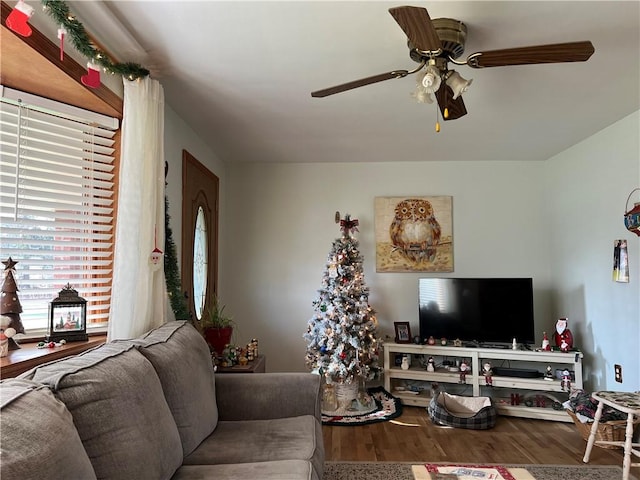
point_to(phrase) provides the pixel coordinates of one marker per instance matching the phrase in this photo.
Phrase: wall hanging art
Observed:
(620, 261)
(414, 234)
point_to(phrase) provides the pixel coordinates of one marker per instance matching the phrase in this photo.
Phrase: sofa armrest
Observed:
(263, 396)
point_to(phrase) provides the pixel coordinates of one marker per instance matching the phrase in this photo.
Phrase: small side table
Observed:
(628, 403)
(255, 366)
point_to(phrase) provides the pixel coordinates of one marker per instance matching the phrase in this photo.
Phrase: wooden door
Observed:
(200, 191)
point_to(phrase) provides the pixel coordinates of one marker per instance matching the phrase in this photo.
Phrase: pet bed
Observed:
(476, 413)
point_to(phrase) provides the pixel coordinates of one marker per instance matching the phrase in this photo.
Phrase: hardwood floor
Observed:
(413, 438)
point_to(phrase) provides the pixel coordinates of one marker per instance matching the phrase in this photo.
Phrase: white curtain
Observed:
(138, 298)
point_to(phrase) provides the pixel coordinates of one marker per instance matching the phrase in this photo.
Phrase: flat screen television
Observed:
(478, 311)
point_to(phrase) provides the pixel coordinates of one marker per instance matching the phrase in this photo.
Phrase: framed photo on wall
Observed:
(403, 332)
(414, 234)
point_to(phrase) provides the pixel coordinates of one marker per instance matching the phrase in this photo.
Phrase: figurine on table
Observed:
(405, 363)
(463, 371)
(546, 345)
(431, 367)
(488, 374)
(549, 373)
(565, 383)
(563, 336)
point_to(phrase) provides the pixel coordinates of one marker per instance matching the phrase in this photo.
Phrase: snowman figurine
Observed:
(549, 374)
(6, 333)
(431, 365)
(405, 363)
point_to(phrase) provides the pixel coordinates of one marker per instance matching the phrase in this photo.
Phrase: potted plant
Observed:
(216, 326)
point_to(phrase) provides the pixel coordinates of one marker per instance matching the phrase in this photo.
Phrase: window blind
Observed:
(56, 203)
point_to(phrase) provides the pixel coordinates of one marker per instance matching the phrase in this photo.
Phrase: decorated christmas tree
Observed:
(9, 301)
(341, 335)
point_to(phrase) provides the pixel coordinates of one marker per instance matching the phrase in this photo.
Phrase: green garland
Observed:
(59, 11)
(171, 270)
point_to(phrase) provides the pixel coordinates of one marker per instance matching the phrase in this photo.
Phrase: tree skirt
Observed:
(386, 408)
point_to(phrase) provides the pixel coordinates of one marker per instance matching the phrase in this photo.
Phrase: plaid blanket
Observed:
(582, 403)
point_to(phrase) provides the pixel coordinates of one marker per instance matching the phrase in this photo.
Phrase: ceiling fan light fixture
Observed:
(431, 79)
(421, 95)
(458, 84)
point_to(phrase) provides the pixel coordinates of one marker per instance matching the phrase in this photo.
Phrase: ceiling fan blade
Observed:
(416, 24)
(456, 107)
(359, 83)
(553, 53)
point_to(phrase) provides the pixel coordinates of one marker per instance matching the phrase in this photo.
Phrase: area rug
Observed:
(404, 471)
(387, 407)
(434, 471)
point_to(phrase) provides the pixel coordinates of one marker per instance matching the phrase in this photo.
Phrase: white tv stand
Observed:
(395, 376)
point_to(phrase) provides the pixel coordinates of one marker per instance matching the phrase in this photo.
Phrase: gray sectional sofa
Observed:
(152, 408)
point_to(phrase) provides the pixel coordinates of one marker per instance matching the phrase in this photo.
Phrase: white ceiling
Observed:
(240, 73)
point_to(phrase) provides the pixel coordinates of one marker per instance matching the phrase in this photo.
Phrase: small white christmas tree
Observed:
(341, 335)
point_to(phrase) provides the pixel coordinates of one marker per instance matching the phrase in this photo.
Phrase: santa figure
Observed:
(463, 372)
(563, 336)
(488, 374)
(546, 345)
(565, 383)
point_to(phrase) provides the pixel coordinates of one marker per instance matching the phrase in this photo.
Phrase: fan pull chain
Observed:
(437, 120)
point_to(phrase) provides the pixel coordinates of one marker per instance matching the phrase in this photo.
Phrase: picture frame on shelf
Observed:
(403, 332)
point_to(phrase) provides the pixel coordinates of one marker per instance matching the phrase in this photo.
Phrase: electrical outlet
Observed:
(618, 372)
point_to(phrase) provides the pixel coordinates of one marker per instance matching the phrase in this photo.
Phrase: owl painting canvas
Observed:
(414, 234)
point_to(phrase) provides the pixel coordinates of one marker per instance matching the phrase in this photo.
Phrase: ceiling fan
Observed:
(435, 43)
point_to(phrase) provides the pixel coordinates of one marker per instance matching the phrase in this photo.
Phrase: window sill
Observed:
(29, 355)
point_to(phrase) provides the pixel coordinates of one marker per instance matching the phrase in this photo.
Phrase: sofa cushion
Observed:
(182, 361)
(278, 470)
(294, 438)
(119, 409)
(39, 439)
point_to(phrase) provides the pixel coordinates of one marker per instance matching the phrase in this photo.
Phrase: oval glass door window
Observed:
(200, 263)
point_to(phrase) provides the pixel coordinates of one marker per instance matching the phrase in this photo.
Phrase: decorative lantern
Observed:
(67, 317)
(632, 217)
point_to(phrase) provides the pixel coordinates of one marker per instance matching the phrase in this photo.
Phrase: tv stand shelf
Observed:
(503, 386)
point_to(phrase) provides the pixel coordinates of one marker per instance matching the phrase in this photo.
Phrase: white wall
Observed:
(552, 220)
(178, 136)
(587, 187)
(282, 226)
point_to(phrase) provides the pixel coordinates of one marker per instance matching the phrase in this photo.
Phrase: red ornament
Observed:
(18, 18)
(61, 33)
(92, 78)
(343, 355)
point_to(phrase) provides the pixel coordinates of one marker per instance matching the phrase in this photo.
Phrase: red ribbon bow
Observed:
(347, 224)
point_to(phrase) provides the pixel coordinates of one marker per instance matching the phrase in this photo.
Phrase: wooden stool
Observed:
(628, 403)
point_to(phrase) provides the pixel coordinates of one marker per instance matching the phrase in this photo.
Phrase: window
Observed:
(200, 263)
(56, 203)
